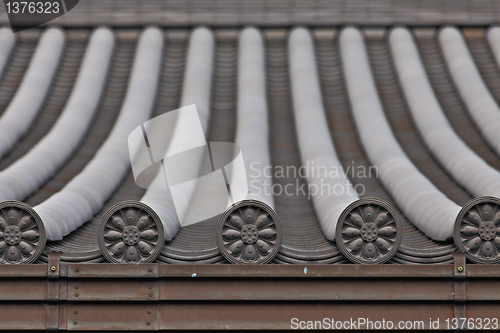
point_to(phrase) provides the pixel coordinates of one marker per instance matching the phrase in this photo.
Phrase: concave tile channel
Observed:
(303, 239)
(167, 99)
(197, 243)
(57, 96)
(16, 66)
(356, 164)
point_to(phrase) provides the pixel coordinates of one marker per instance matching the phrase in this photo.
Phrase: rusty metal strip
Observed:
(273, 315)
(113, 290)
(230, 296)
(63, 316)
(459, 288)
(112, 316)
(308, 271)
(23, 316)
(53, 290)
(483, 271)
(28, 271)
(20, 289)
(285, 289)
(52, 317)
(104, 271)
(53, 265)
(113, 271)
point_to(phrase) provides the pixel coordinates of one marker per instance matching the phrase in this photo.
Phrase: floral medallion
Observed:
(249, 232)
(369, 231)
(477, 230)
(22, 234)
(131, 232)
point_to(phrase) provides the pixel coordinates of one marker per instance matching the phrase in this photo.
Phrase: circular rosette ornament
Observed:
(477, 230)
(22, 235)
(369, 231)
(131, 232)
(249, 232)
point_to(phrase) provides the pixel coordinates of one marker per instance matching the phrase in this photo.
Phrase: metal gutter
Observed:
(159, 296)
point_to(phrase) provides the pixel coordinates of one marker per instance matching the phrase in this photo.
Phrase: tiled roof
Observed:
(275, 13)
(418, 104)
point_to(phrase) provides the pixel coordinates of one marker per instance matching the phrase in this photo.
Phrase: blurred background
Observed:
(269, 13)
